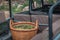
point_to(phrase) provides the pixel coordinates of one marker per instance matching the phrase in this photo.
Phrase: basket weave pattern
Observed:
(23, 34)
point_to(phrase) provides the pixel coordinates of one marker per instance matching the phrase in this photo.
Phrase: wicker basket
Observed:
(23, 34)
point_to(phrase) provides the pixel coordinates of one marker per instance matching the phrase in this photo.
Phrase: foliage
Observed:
(26, 4)
(15, 8)
(4, 7)
(50, 1)
(24, 26)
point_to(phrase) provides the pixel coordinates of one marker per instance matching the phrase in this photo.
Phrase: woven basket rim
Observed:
(17, 23)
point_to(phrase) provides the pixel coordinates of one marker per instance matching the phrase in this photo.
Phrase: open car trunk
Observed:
(43, 30)
(43, 19)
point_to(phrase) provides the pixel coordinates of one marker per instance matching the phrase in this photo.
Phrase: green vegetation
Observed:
(24, 26)
(15, 9)
(19, 7)
(50, 1)
(4, 7)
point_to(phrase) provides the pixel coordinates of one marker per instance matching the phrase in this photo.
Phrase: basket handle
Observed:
(36, 23)
(11, 22)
